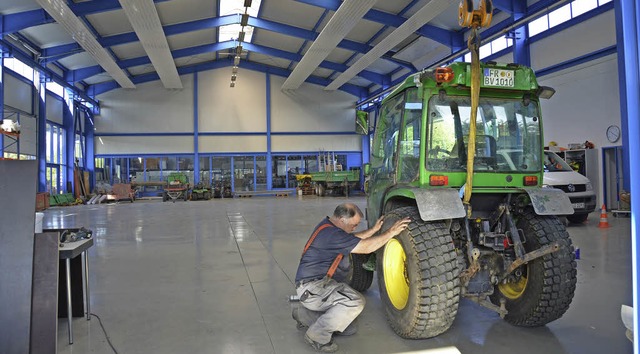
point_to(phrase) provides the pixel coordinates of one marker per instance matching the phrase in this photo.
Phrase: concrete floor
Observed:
(214, 277)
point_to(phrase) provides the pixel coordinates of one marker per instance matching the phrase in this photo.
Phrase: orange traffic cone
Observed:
(604, 222)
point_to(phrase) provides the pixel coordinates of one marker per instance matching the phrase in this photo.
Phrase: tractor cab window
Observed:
(409, 152)
(507, 135)
(386, 142)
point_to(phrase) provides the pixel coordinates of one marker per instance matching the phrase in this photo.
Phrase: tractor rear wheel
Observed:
(358, 277)
(540, 291)
(418, 275)
(207, 195)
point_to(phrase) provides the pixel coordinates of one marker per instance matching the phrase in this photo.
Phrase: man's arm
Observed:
(371, 244)
(368, 233)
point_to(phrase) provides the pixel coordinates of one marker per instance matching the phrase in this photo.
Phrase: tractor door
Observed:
(384, 155)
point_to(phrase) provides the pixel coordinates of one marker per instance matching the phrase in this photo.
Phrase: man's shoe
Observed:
(330, 347)
(299, 325)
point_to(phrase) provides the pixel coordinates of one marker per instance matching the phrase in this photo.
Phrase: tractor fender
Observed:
(438, 204)
(549, 201)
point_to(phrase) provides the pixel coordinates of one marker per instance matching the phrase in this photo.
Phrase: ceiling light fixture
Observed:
(244, 20)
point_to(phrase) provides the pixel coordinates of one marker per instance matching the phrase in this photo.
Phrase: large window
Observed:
(19, 67)
(563, 14)
(55, 158)
(243, 171)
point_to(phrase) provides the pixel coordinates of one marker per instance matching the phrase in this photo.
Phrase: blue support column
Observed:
(2, 54)
(42, 136)
(196, 148)
(521, 52)
(628, 29)
(70, 143)
(89, 130)
(269, 167)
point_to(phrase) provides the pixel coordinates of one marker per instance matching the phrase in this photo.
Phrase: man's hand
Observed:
(399, 226)
(378, 224)
(372, 243)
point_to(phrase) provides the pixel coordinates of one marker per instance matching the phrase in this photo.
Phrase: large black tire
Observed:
(421, 293)
(207, 195)
(577, 218)
(358, 277)
(544, 291)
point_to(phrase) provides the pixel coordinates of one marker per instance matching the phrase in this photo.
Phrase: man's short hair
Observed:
(347, 211)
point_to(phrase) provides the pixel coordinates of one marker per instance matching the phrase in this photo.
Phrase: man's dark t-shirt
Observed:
(329, 242)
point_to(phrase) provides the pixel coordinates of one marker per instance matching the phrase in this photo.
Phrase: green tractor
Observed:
(177, 187)
(481, 228)
(200, 191)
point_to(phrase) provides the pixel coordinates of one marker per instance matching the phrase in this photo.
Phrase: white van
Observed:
(558, 174)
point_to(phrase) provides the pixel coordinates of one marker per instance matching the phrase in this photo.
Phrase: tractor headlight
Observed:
(588, 186)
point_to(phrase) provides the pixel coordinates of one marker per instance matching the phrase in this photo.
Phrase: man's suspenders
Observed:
(336, 261)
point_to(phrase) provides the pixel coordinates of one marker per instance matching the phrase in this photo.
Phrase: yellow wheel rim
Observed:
(513, 290)
(394, 268)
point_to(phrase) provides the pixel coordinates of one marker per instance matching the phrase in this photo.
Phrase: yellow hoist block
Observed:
(468, 17)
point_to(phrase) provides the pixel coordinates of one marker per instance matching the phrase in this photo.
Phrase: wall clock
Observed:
(613, 133)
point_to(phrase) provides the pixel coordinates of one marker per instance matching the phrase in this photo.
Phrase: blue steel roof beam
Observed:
(311, 35)
(509, 6)
(369, 75)
(103, 87)
(442, 36)
(21, 20)
(93, 7)
(17, 53)
(18, 21)
(81, 74)
(61, 51)
(377, 34)
(314, 29)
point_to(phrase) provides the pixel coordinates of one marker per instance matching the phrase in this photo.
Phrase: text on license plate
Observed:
(577, 205)
(498, 77)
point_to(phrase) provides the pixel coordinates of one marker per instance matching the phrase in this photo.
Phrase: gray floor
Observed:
(214, 277)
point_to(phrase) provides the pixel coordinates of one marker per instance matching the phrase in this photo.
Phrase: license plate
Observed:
(498, 77)
(577, 205)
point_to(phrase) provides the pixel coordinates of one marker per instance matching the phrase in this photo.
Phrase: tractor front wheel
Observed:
(418, 275)
(540, 291)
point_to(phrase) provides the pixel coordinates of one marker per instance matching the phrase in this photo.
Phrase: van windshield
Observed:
(553, 163)
(507, 135)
